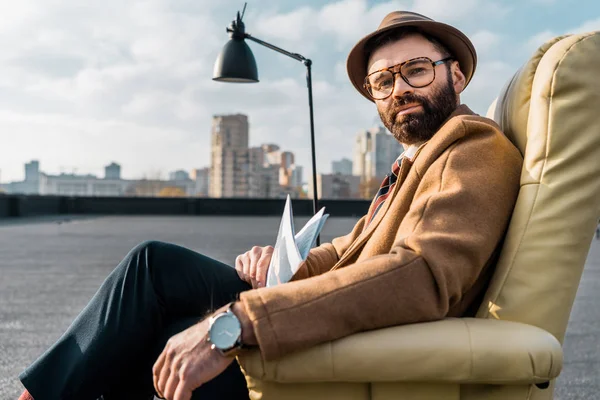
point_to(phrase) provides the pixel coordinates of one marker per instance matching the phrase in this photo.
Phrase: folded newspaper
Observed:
(291, 249)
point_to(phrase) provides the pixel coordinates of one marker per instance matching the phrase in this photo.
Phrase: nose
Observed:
(401, 87)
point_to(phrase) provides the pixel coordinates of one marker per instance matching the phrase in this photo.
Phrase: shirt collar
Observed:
(411, 151)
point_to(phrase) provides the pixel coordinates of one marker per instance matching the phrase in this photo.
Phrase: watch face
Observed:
(225, 331)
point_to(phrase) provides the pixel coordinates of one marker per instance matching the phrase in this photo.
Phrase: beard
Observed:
(420, 126)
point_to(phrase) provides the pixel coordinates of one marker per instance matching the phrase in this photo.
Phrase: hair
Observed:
(396, 34)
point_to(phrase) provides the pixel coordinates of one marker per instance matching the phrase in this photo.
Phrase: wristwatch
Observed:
(225, 332)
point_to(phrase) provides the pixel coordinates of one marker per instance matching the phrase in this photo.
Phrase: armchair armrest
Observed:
(457, 350)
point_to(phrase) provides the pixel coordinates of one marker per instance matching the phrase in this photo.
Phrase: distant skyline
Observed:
(86, 83)
(100, 174)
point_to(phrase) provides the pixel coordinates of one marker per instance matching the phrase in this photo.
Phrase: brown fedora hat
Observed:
(455, 41)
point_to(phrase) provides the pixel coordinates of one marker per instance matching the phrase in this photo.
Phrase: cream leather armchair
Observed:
(551, 111)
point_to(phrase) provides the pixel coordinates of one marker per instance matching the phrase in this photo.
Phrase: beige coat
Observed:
(427, 254)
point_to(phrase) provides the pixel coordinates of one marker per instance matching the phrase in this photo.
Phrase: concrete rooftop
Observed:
(50, 267)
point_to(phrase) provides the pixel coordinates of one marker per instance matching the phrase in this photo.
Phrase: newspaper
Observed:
(291, 249)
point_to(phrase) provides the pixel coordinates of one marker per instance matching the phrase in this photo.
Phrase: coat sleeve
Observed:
(456, 219)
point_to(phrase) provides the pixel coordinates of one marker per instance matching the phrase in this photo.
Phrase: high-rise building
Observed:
(32, 171)
(296, 180)
(263, 175)
(374, 152)
(32, 182)
(271, 153)
(342, 167)
(362, 150)
(286, 171)
(229, 156)
(112, 171)
(201, 176)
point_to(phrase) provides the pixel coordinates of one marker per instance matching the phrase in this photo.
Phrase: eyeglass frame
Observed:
(398, 67)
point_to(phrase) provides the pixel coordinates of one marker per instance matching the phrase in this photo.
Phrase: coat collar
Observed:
(450, 131)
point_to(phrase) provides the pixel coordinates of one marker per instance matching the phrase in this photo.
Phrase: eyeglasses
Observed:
(417, 72)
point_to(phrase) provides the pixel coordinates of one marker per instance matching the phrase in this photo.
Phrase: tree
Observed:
(171, 191)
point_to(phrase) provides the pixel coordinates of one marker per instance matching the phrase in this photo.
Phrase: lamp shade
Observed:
(235, 63)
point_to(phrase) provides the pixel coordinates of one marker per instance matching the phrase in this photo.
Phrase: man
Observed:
(424, 251)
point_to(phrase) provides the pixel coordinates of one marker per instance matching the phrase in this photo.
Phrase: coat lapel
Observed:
(364, 236)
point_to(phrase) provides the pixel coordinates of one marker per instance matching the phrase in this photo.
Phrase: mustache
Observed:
(409, 98)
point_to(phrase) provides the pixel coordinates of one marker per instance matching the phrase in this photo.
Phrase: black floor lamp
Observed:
(236, 63)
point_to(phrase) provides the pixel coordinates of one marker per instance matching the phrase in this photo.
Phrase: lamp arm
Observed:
(295, 56)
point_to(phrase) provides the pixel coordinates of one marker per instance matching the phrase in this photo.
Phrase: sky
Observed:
(86, 83)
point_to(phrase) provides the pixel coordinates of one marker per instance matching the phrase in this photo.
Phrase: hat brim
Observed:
(457, 43)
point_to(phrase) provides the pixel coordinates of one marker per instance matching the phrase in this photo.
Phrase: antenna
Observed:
(243, 11)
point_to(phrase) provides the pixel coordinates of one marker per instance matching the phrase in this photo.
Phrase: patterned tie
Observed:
(384, 191)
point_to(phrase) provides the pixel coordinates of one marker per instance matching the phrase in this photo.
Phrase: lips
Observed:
(406, 109)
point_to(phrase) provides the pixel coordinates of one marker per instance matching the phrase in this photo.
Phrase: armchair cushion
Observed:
(457, 350)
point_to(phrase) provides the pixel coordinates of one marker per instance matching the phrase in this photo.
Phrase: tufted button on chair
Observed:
(550, 110)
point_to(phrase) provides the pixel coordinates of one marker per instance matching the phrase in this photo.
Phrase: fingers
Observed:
(255, 254)
(185, 387)
(156, 371)
(252, 266)
(262, 266)
(182, 393)
(162, 377)
(241, 266)
(171, 386)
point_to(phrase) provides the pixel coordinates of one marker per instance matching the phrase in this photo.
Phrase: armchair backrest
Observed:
(550, 110)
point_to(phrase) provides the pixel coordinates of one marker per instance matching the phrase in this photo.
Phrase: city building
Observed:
(296, 176)
(40, 183)
(229, 156)
(342, 167)
(31, 184)
(81, 185)
(235, 171)
(336, 186)
(179, 175)
(375, 150)
(201, 176)
(112, 171)
(263, 177)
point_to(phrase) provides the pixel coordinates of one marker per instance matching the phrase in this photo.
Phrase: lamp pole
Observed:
(235, 73)
(308, 63)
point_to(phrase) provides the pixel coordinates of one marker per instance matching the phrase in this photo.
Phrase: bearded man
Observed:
(424, 251)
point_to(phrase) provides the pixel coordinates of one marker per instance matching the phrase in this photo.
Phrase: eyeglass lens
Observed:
(418, 73)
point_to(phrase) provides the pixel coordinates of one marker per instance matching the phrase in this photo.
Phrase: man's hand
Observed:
(252, 266)
(186, 363)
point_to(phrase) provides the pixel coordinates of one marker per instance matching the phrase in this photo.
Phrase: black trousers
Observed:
(158, 290)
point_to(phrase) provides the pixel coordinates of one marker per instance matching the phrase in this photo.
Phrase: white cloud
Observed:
(444, 10)
(463, 12)
(540, 38)
(485, 41)
(291, 26)
(588, 26)
(537, 40)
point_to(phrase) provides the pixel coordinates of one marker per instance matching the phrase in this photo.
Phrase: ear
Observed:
(458, 78)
